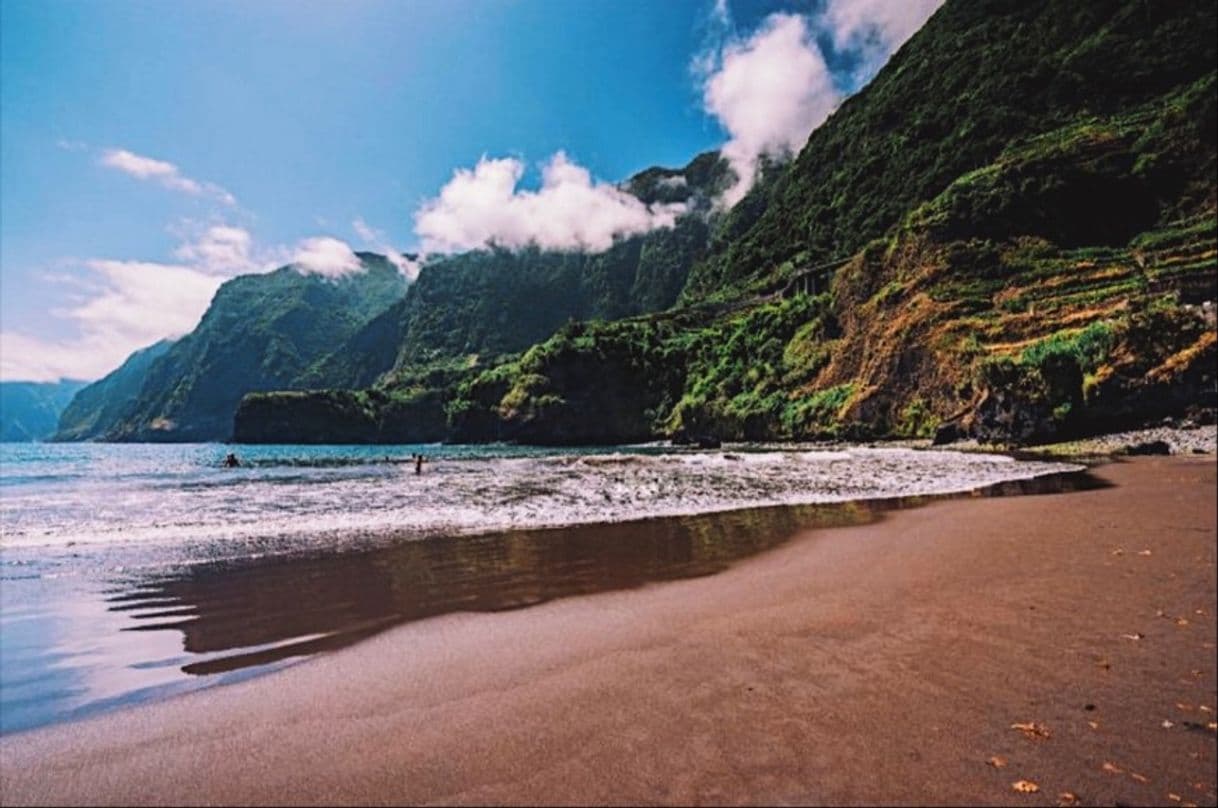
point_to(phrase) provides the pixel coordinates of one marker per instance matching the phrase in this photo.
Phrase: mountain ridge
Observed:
(1014, 237)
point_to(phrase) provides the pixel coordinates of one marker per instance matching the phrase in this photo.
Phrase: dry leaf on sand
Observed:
(1111, 768)
(1025, 787)
(1032, 729)
(997, 761)
(1067, 798)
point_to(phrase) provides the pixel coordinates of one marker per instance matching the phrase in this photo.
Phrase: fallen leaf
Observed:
(1141, 778)
(1144, 552)
(1185, 707)
(1111, 768)
(1067, 798)
(1025, 786)
(1118, 551)
(1031, 729)
(1212, 725)
(1135, 636)
(1174, 797)
(1167, 724)
(997, 761)
(1181, 621)
(1205, 708)
(1093, 724)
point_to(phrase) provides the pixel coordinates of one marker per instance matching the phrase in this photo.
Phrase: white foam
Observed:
(323, 501)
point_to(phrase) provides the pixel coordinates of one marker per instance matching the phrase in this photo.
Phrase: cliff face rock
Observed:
(339, 416)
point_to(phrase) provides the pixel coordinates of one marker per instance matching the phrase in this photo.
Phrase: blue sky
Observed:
(148, 150)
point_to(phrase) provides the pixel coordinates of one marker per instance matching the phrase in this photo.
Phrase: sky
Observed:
(151, 150)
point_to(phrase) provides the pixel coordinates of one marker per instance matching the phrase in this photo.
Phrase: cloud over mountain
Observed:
(875, 28)
(484, 206)
(323, 255)
(769, 91)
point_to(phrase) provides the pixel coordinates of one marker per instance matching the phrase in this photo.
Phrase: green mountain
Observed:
(978, 78)
(30, 410)
(488, 303)
(97, 407)
(260, 332)
(477, 309)
(1008, 234)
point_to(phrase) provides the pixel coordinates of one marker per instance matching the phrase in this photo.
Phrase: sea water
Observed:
(58, 495)
(136, 571)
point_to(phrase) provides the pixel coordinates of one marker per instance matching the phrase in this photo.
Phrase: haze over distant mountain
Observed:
(98, 406)
(29, 411)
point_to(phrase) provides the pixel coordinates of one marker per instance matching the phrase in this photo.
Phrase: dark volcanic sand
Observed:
(883, 662)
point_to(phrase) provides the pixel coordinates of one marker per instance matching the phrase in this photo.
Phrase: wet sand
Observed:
(882, 662)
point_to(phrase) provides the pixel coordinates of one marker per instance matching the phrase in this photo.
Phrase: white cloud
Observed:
(875, 28)
(135, 304)
(223, 250)
(326, 256)
(482, 207)
(769, 91)
(376, 240)
(167, 174)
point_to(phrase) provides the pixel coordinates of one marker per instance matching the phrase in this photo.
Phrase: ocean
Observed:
(138, 571)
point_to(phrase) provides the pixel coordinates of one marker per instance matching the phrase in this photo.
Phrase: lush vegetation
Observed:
(1026, 200)
(978, 78)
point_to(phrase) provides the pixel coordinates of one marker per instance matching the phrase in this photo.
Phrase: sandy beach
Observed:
(884, 662)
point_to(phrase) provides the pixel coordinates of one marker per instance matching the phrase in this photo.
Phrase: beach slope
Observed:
(881, 663)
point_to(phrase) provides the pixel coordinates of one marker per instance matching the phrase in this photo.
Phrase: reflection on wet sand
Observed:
(254, 612)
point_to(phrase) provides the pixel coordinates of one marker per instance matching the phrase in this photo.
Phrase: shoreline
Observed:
(881, 662)
(163, 632)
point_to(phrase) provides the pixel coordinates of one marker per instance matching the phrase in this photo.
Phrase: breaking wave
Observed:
(89, 493)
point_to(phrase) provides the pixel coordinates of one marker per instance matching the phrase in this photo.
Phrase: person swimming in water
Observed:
(231, 461)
